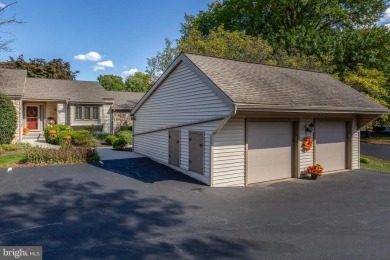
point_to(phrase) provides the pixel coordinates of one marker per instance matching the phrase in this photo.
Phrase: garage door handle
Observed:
(201, 145)
(177, 141)
(190, 161)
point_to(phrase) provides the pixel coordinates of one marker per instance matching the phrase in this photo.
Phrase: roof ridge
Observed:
(70, 80)
(255, 63)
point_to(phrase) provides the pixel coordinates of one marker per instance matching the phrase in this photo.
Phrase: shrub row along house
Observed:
(80, 104)
(231, 123)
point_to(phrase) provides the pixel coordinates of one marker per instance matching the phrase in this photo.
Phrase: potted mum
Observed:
(315, 171)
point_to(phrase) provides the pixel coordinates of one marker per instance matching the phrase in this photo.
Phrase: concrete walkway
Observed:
(107, 153)
(41, 143)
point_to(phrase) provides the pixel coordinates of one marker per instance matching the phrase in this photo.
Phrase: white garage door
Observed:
(330, 150)
(269, 151)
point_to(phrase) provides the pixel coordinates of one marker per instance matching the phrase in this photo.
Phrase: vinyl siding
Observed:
(183, 98)
(61, 113)
(355, 146)
(153, 145)
(306, 158)
(229, 154)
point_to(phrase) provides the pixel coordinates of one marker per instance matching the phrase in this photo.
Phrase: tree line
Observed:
(342, 38)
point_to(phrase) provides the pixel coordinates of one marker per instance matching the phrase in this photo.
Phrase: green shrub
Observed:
(8, 121)
(110, 139)
(101, 136)
(11, 147)
(82, 138)
(124, 138)
(119, 144)
(61, 131)
(25, 145)
(364, 160)
(40, 155)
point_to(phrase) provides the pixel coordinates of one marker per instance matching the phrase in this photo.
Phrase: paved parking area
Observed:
(138, 209)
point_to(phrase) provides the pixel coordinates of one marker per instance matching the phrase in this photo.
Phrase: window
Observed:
(79, 113)
(95, 113)
(87, 113)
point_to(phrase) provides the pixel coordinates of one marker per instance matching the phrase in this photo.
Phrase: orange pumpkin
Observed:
(67, 138)
(26, 130)
(52, 132)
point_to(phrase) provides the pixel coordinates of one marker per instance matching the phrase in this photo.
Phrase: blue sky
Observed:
(122, 33)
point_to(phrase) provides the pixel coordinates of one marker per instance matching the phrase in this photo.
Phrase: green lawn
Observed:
(374, 164)
(8, 160)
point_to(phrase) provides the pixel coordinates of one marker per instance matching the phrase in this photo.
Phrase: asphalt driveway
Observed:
(138, 209)
(381, 151)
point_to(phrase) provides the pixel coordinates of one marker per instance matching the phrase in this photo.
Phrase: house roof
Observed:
(71, 90)
(271, 86)
(12, 81)
(125, 100)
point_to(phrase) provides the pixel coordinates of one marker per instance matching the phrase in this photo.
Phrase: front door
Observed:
(32, 117)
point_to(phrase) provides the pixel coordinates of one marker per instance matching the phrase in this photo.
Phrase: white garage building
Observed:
(230, 123)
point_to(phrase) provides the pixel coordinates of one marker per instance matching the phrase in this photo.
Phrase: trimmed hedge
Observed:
(8, 121)
(40, 155)
(80, 137)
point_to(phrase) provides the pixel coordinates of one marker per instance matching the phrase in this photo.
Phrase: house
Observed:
(80, 104)
(124, 103)
(232, 123)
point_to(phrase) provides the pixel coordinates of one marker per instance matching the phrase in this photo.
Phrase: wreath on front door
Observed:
(307, 144)
(31, 112)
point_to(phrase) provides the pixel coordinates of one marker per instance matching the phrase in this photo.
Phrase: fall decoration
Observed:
(26, 130)
(52, 132)
(307, 144)
(67, 138)
(315, 169)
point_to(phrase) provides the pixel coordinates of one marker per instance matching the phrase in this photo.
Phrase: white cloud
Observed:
(129, 72)
(103, 65)
(386, 19)
(90, 56)
(2, 5)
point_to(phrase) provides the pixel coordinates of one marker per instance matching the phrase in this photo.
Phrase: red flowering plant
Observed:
(315, 169)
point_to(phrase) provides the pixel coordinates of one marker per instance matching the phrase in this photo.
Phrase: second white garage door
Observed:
(269, 151)
(330, 149)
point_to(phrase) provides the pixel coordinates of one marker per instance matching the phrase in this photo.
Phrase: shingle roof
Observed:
(125, 100)
(250, 83)
(12, 81)
(72, 90)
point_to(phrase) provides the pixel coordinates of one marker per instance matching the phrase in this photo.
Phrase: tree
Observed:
(40, 68)
(4, 42)
(311, 27)
(373, 84)
(159, 63)
(112, 82)
(139, 82)
(238, 46)
(231, 45)
(7, 119)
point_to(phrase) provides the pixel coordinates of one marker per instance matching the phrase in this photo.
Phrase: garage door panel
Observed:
(269, 151)
(331, 145)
